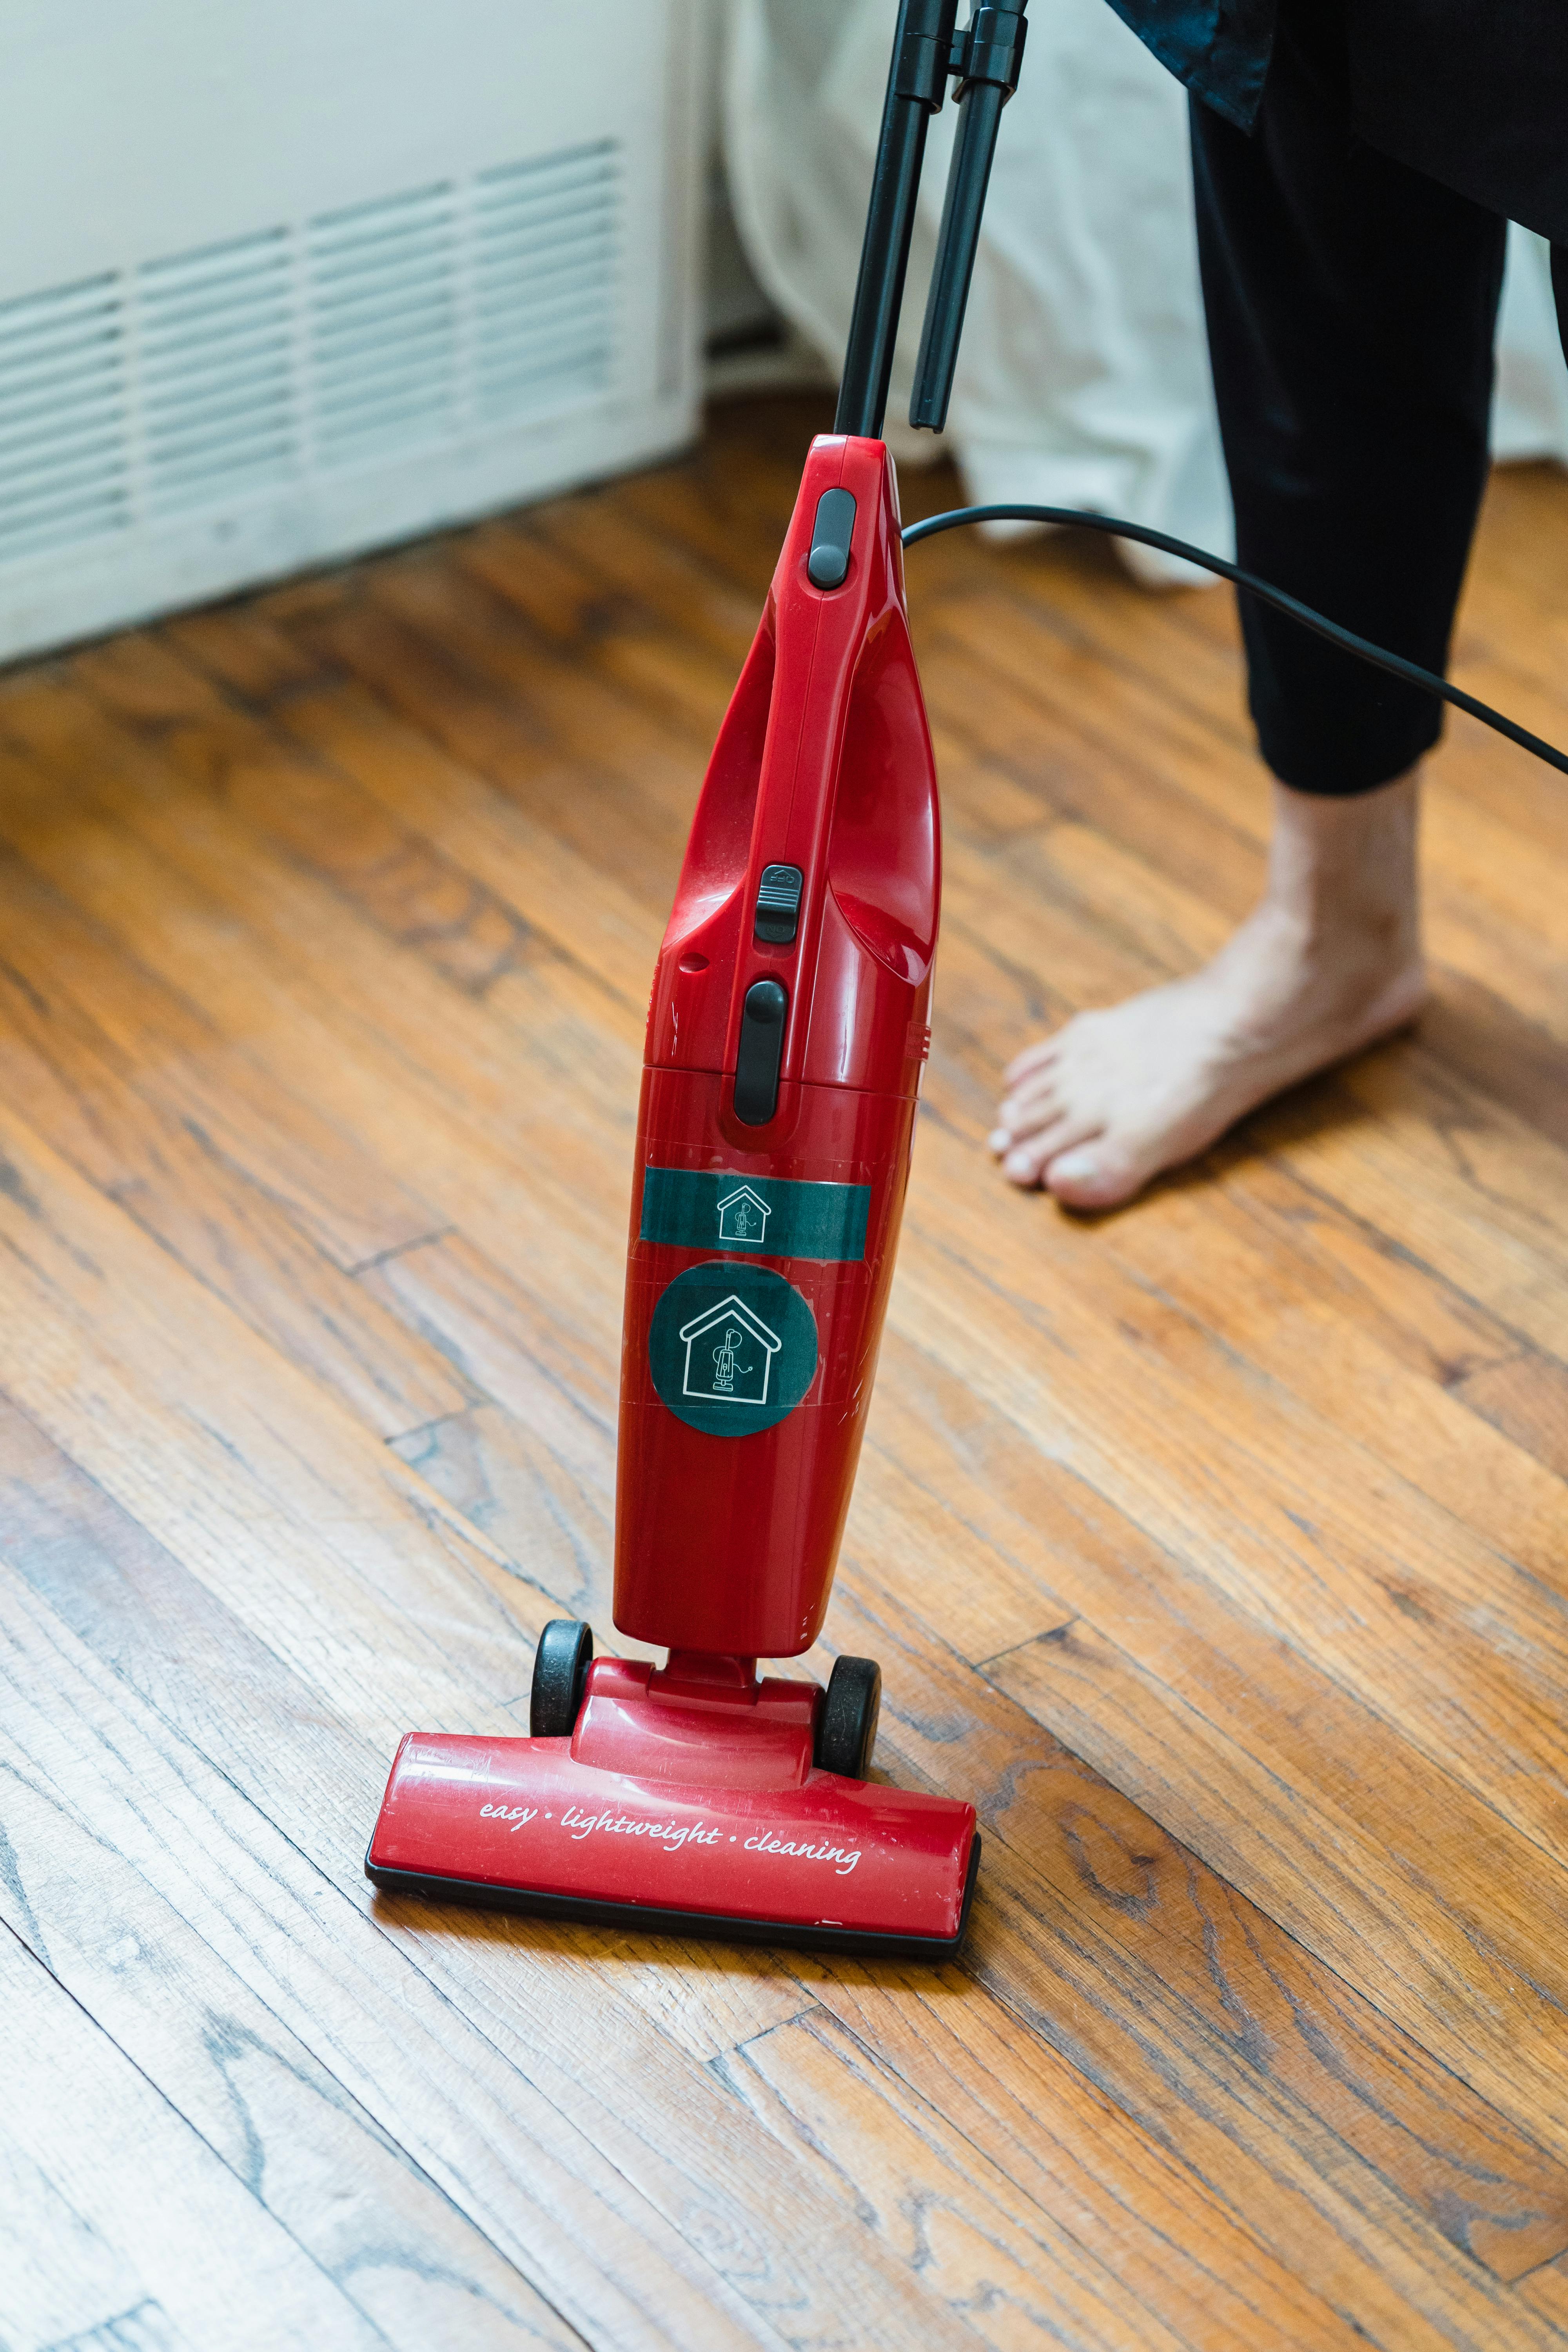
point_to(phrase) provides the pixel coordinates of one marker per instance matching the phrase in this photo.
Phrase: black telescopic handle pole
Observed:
(917, 83)
(993, 51)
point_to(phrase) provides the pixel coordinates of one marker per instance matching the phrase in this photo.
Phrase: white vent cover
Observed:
(218, 410)
(64, 472)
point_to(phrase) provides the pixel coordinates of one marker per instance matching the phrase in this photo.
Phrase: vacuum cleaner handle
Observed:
(917, 85)
(993, 55)
(799, 946)
(927, 51)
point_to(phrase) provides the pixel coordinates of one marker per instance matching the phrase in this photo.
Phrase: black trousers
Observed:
(1352, 304)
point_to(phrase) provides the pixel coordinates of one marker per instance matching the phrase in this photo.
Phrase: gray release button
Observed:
(778, 904)
(830, 536)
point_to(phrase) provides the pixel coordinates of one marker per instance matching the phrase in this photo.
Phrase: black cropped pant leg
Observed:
(1352, 304)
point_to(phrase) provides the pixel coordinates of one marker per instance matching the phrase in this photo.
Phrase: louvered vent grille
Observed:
(216, 371)
(546, 249)
(384, 305)
(64, 468)
(218, 375)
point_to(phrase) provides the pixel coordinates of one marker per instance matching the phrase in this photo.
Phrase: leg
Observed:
(1351, 304)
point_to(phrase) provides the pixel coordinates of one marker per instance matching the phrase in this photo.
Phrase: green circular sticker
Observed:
(732, 1347)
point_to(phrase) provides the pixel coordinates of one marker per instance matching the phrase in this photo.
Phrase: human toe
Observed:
(1093, 1173)
(1030, 1105)
(1038, 1056)
(1025, 1162)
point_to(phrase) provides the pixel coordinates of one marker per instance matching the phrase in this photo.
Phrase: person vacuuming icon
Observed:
(725, 1355)
(1355, 165)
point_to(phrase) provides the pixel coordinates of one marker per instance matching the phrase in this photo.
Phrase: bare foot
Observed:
(1329, 962)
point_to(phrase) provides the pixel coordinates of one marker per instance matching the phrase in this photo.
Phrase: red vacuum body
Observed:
(788, 1025)
(779, 1098)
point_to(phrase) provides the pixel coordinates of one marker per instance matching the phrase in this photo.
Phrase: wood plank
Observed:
(1213, 1459)
(1374, 1151)
(1081, 1682)
(590, 918)
(988, 2114)
(585, 712)
(420, 1075)
(249, 652)
(1195, 1259)
(1373, 1278)
(1095, 1876)
(1526, 1396)
(279, 1491)
(1255, 2092)
(534, 1467)
(1495, 865)
(297, 1157)
(555, 1528)
(288, 797)
(1415, 1892)
(496, 2139)
(85, 1096)
(135, 1960)
(506, 1343)
(998, 2259)
(117, 2216)
(1473, 1031)
(402, 882)
(492, 726)
(1546, 2294)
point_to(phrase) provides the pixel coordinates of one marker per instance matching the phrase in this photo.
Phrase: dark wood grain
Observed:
(119, 2221)
(1295, 2027)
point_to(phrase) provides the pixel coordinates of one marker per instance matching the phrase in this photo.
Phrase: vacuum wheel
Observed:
(561, 1666)
(847, 1719)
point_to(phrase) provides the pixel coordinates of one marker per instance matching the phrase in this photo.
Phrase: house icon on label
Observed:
(743, 1217)
(729, 1354)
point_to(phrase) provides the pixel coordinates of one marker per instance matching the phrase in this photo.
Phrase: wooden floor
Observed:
(1218, 1549)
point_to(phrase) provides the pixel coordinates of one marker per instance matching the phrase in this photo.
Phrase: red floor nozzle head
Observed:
(684, 1802)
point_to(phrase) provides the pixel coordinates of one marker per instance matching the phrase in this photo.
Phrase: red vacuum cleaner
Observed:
(785, 1037)
(787, 1033)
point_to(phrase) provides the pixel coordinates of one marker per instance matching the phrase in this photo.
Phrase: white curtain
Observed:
(1083, 379)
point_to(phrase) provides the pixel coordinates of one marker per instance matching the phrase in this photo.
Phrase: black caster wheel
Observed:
(847, 1719)
(561, 1666)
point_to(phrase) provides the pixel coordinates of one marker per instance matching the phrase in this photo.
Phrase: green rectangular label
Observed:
(694, 1208)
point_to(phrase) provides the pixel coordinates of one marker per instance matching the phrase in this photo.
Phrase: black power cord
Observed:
(1076, 517)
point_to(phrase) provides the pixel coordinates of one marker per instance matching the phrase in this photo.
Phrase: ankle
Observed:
(1342, 875)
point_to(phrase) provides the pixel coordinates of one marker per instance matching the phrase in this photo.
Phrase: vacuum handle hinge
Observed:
(989, 49)
(924, 61)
